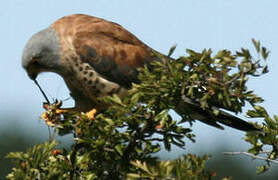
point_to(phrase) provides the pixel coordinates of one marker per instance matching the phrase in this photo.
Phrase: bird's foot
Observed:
(91, 114)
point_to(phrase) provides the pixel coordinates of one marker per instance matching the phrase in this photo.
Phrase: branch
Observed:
(154, 139)
(251, 155)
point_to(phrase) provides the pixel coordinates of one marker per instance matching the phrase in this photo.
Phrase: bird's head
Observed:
(42, 53)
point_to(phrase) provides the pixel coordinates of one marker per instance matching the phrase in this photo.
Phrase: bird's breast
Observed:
(83, 81)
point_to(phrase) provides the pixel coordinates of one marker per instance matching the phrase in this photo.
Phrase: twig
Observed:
(233, 79)
(154, 139)
(265, 152)
(44, 95)
(251, 155)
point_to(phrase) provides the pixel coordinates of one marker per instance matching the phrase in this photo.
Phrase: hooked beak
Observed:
(32, 75)
(32, 72)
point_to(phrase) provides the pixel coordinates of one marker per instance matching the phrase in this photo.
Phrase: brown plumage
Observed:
(103, 51)
(106, 46)
(97, 58)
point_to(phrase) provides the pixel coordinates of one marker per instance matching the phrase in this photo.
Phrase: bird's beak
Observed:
(32, 72)
(32, 76)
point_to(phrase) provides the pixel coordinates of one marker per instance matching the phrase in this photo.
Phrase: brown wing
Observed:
(111, 50)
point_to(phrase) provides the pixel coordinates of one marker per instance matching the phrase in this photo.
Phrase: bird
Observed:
(98, 58)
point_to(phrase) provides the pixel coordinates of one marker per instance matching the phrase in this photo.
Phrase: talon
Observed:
(91, 114)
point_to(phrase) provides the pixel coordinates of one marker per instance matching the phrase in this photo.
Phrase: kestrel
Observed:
(98, 58)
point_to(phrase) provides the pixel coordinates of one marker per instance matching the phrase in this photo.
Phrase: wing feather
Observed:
(111, 50)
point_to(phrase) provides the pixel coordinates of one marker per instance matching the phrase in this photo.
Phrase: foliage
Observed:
(122, 141)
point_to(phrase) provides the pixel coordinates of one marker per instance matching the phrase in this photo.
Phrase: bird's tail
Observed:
(234, 122)
(195, 112)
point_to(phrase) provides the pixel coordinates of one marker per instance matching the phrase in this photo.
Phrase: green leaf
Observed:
(257, 45)
(134, 99)
(216, 112)
(119, 149)
(265, 53)
(133, 175)
(171, 51)
(262, 169)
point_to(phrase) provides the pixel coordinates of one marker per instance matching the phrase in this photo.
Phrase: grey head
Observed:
(42, 53)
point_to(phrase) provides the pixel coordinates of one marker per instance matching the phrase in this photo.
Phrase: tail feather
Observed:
(207, 116)
(235, 122)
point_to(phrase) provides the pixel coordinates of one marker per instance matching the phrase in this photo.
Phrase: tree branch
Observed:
(251, 155)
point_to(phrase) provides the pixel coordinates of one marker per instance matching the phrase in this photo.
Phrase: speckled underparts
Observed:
(91, 82)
